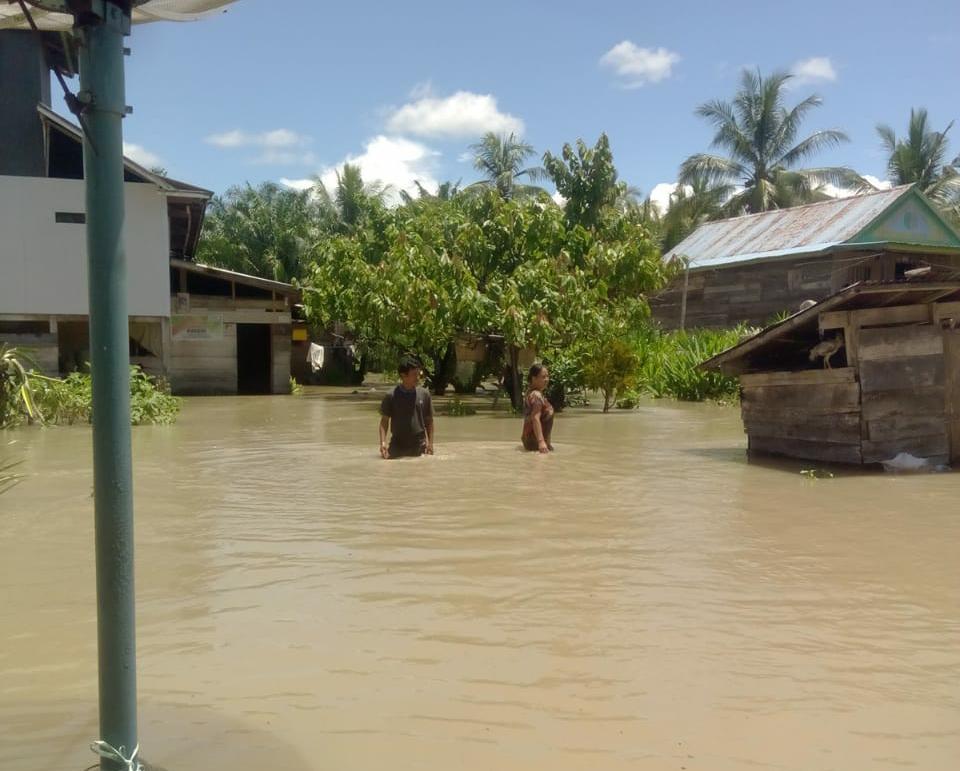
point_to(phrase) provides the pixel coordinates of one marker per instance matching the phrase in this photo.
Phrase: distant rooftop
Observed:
(818, 227)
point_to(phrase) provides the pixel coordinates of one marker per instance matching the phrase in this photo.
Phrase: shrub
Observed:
(457, 409)
(670, 364)
(70, 400)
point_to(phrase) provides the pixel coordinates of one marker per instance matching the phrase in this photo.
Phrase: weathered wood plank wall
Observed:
(205, 366)
(902, 380)
(752, 293)
(813, 414)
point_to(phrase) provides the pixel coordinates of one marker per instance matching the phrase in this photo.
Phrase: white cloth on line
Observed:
(315, 357)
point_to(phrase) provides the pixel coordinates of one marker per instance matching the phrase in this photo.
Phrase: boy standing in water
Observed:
(407, 411)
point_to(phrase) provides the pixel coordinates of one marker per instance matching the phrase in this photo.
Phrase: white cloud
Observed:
(639, 66)
(392, 161)
(276, 138)
(558, 199)
(818, 69)
(661, 193)
(880, 184)
(297, 184)
(280, 147)
(462, 115)
(139, 154)
(842, 192)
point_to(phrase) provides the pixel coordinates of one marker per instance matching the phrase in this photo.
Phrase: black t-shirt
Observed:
(409, 413)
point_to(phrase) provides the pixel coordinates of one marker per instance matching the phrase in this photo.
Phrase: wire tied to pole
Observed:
(74, 103)
(107, 750)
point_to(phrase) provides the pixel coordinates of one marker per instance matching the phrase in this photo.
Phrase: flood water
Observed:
(644, 598)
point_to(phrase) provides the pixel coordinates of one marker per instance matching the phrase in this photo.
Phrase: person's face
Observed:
(540, 381)
(410, 378)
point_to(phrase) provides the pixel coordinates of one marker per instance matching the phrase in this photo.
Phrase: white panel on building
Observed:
(43, 261)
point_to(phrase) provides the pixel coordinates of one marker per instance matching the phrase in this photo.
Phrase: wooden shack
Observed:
(752, 268)
(892, 384)
(228, 332)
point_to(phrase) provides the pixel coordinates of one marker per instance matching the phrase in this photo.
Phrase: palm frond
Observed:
(812, 145)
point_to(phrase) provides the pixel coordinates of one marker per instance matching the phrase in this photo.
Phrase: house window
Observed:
(71, 217)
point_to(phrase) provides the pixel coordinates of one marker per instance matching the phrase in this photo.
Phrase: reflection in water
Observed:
(644, 598)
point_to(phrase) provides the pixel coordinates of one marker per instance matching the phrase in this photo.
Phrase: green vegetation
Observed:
(760, 135)
(921, 158)
(264, 231)
(483, 264)
(16, 398)
(457, 409)
(27, 396)
(670, 363)
(501, 260)
(501, 160)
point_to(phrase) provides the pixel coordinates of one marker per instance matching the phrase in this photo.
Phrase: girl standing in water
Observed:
(537, 412)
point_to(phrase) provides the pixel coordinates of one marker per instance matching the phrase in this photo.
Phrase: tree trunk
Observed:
(516, 392)
(446, 364)
(606, 400)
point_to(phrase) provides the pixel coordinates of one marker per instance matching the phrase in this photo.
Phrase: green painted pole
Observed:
(102, 93)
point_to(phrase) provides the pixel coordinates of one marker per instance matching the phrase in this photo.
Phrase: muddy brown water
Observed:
(644, 598)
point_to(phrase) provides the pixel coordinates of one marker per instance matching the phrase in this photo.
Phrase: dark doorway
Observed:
(253, 358)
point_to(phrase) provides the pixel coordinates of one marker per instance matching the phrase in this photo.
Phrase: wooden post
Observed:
(683, 299)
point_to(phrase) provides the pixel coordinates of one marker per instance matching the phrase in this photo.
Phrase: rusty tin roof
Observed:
(816, 227)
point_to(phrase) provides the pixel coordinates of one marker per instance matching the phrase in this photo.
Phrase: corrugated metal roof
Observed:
(806, 229)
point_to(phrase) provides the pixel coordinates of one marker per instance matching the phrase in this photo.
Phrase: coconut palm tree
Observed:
(692, 204)
(446, 191)
(760, 133)
(501, 159)
(919, 159)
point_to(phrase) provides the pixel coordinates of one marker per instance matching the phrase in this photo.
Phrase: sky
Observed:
(285, 90)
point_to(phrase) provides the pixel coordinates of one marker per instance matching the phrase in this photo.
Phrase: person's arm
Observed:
(384, 426)
(428, 420)
(538, 427)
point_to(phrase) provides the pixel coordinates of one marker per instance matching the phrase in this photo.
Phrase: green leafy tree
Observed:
(760, 134)
(920, 158)
(501, 159)
(587, 179)
(266, 231)
(482, 264)
(408, 288)
(611, 365)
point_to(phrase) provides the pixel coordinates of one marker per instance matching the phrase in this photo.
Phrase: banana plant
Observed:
(15, 392)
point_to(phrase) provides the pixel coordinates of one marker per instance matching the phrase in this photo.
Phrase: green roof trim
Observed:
(912, 219)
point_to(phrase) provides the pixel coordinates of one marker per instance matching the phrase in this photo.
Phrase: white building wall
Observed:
(43, 263)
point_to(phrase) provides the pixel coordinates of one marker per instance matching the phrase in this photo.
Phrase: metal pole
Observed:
(102, 92)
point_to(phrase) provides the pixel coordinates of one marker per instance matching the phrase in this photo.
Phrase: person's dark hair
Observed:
(535, 370)
(408, 363)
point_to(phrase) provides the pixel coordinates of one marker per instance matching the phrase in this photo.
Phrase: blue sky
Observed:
(285, 89)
